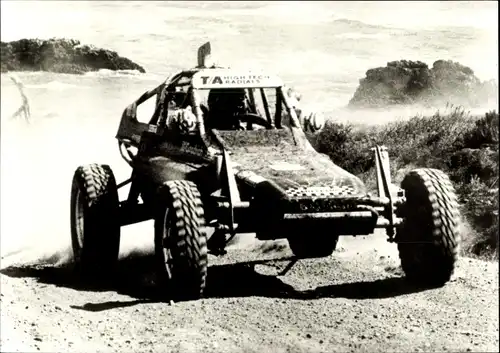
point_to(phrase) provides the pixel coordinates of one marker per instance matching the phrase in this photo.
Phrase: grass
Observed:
(464, 146)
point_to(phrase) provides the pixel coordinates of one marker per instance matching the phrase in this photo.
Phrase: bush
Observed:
(463, 146)
(347, 146)
(485, 132)
(480, 208)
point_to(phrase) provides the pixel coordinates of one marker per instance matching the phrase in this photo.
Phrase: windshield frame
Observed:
(281, 96)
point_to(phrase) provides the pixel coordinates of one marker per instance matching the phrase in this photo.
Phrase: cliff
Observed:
(60, 55)
(408, 82)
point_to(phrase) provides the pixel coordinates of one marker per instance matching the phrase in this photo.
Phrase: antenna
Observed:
(203, 53)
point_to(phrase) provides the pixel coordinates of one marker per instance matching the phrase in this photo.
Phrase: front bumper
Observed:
(274, 213)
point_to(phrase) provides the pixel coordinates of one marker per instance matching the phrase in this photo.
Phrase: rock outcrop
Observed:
(408, 82)
(60, 55)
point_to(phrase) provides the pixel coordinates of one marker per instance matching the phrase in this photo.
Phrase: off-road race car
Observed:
(192, 176)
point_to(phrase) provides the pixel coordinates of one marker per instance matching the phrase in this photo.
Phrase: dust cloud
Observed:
(384, 115)
(38, 159)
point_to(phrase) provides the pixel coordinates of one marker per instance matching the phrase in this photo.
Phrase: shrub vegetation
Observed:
(464, 146)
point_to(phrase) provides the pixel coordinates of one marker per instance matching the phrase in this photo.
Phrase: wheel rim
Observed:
(166, 237)
(79, 220)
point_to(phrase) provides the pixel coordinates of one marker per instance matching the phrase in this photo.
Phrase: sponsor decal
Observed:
(212, 78)
(183, 148)
(234, 79)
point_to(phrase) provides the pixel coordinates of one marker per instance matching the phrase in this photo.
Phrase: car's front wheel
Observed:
(181, 240)
(429, 239)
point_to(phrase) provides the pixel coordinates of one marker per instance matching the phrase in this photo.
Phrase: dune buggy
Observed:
(266, 179)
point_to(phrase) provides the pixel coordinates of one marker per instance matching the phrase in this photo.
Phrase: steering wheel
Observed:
(255, 119)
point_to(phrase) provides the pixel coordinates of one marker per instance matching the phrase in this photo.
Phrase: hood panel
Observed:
(274, 155)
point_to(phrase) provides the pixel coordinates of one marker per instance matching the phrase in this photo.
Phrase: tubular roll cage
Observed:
(174, 81)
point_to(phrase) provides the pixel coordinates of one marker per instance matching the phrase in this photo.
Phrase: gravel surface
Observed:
(355, 300)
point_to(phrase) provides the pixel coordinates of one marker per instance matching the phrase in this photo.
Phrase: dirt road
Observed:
(355, 300)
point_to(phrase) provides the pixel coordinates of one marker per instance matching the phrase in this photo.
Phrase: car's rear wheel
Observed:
(181, 240)
(429, 238)
(95, 227)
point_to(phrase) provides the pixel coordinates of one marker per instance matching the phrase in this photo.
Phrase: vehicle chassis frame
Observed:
(230, 207)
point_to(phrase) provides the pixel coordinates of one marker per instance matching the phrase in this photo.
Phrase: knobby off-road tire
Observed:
(429, 239)
(181, 240)
(304, 245)
(95, 227)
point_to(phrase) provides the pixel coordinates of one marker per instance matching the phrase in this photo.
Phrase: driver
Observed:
(224, 107)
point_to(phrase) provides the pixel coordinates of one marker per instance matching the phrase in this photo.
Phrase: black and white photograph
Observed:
(249, 176)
